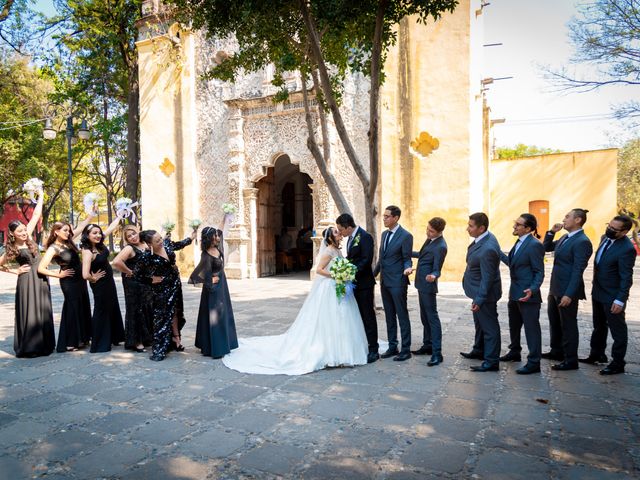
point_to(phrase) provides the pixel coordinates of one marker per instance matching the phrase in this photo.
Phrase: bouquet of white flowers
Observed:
(229, 208)
(124, 208)
(32, 186)
(343, 273)
(90, 202)
(195, 223)
(168, 226)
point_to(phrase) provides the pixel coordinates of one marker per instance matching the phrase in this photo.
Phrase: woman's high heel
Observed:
(178, 345)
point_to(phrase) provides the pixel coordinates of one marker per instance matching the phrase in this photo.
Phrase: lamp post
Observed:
(83, 133)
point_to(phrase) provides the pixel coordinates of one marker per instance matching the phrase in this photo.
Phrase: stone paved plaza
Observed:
(119, 415)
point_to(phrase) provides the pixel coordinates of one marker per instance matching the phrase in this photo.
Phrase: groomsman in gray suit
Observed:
(571, 256)
(430, 260)
(612, 279)
(526, 268)
(481, 283)
(394, 267)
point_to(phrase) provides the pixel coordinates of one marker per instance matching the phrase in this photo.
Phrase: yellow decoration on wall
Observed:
(424, 144)
(167, 167)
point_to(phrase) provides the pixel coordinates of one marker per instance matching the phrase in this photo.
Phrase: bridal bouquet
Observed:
(343, 273)
(168, 226)
(229, 208)
(90, 202)
(31, 186)
(124, 208)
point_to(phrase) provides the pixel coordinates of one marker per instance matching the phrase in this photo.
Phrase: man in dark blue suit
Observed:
(572, 252)
(360, 253)
(430, 260)
(482, 284)
(612, 279)
(526, 268)
(394, 267)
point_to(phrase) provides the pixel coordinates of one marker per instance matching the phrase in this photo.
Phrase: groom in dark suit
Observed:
(430, 260)
(360, 253)
(394, 267)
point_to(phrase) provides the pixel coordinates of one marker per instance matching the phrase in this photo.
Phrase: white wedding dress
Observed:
(326, 333)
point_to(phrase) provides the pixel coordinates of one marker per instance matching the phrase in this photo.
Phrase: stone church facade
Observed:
(205, 142)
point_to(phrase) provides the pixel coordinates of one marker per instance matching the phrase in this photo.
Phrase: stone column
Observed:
(236, 238)
(251, 219)
(322, 215)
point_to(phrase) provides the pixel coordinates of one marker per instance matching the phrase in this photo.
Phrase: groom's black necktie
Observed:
(349, 243)
(387, 239)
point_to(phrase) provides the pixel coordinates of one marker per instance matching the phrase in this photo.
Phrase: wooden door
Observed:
(540, 208)
(265, 222)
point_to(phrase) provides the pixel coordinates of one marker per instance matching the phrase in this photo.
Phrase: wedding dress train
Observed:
(326, 333)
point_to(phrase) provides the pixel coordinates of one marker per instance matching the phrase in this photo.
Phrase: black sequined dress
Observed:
(33, 330)
(138, 297)
(106, 322)
(75, 322)
(167, 295)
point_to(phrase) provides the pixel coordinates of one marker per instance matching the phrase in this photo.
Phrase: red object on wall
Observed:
(16, 208)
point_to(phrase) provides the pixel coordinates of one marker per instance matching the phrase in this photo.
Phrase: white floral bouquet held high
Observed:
(195, 223)
(32, 186)
(168, 226)
(90, 202)
(343, 273)
(229, 208)
(124, 208)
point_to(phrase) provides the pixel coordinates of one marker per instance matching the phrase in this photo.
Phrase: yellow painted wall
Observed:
(432, 85)
(566, 180)
(167, 115)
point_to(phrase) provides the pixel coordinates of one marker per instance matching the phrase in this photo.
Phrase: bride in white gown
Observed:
(327, 332)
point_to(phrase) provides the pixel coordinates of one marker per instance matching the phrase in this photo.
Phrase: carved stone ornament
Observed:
(167, 167)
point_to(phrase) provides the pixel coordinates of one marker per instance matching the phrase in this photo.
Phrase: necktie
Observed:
(561, 242)
(349, 243)
(514, 249)
(387, 239)
(605, 245)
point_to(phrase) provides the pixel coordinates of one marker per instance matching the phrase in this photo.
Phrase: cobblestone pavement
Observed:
(119, 415)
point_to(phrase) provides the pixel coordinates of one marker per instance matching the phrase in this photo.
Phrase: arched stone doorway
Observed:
(284, 219)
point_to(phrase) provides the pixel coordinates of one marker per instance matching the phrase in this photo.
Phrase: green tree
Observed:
(629, 178)
(521, 150)
(605, 37)
(324, 40)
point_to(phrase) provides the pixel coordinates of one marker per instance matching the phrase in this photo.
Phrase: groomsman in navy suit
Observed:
(360, 253)
(526, 268)
(572, 253)
(394, 267)
(482, 284)
(612, 279)
(430, 260)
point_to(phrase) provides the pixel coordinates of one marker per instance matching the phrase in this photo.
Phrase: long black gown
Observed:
(138, 297)
(75, 322)
(167, 295)
(34, 334)
(216, 328)
(106, 321)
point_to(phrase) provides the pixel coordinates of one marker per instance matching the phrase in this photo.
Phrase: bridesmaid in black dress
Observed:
(216, 329)
(75, 322)
(138, 320)
(158, 269)
(33, 329)
(106, 321)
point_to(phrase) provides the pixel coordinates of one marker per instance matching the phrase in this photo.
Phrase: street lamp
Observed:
(49, 133)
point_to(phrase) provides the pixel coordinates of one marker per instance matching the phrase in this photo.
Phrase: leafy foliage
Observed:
(629, 178)
(521, 150)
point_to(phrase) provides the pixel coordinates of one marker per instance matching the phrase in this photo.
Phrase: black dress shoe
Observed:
(593, 359)
(565, 366)
(472, 355)
(612, 370)
(372, 357)
(435, 360)
(485, 367)
(552, 356)
(527, 369)
(392, 352)
(423, 351)
(402, 357)
(511, 357)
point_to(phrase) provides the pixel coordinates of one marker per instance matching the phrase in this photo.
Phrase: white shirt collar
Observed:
(355, 231)
(481, 236)
(523, 237)
(395, 228)
(571, 234)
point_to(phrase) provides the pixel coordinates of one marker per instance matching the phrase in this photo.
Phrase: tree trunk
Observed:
(312, 145)
(107, 165)
(133, 135)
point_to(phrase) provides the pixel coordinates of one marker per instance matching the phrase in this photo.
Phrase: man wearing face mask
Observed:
(612, 279)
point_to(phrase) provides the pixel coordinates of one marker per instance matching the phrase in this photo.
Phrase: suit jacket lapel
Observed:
(393, 238)
(522, 246)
